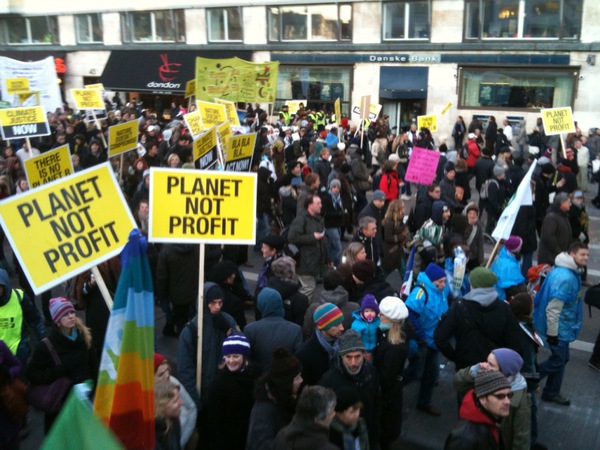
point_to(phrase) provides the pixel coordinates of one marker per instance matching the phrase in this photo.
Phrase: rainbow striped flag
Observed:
(125, 389)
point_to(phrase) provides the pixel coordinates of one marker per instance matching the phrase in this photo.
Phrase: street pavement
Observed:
(573, 427)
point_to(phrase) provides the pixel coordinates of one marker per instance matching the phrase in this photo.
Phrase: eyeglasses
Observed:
(503, 396)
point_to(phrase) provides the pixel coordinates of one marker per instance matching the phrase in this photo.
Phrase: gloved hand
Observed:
(552, 340)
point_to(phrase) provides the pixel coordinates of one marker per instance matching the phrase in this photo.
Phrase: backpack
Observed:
(485, 187)
(536, 276)
(465, 151)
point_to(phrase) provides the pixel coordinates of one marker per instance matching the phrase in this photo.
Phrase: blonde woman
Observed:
(167, 409)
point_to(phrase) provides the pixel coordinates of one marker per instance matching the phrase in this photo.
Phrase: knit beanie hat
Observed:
(60, 306)
(471, 207)
(435, 272)
(522, 306)
(347, 396)
(351, 341)
(327, 315)
(213, 293)
(236, 344)
(393, 308)
(498, 170)
(363, 270)
(379, 195)
(285, 366)
(335, 183)
(449, 167)
(513, 244)
(369, 301)
(510, 362)
(284, 267)
(488, 382)
(482, 277)
(158, 360)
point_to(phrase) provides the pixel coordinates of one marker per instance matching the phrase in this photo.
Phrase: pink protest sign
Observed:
(422, 166)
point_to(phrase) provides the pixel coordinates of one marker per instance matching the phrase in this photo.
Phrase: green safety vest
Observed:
(321, 118)
(11, 321)
(286, 115)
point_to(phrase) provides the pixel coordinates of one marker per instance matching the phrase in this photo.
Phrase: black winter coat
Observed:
(315, 360)
(555, 237)
(484, 170)
(177, 273)
(313, 252)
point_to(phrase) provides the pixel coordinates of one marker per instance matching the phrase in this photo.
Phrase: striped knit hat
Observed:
(60, 306)
(327, 315)
(236, 344)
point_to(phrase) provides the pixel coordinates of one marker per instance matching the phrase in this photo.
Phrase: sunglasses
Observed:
(503, 396)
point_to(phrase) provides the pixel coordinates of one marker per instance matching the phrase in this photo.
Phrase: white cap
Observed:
(393, 308)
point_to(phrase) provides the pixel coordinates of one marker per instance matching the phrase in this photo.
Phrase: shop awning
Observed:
(399, 83)
(156, 71)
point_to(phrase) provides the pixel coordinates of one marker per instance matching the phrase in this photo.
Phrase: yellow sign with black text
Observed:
(203, 147)
(224, 131)
(211, 114)
(49, 166)
(123, 137)
(24, 122)
(230, 110)
(239, 152)
(558, 121)
(429, 122)
(199, 206)
(194, 122)
(14, 85)
(190, 88)
(88, 98)
(67, 226)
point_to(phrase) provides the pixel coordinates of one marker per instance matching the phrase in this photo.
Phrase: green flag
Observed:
(78, 427)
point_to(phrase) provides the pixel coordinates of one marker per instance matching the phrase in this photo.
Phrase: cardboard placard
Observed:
(212, 114)
(374, 110)
(190, 88)
(24, 122)
(558, 121)
(123, 137)
(88, 98)
(422, 166)
(49, 166)
(205, 148)
(14, 85)
(230, 111)
(239, 152)
(194, 123)
(427, 122)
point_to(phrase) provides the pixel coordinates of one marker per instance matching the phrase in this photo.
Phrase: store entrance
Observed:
(403, 112)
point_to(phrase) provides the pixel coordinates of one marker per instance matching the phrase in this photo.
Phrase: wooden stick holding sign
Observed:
(200, 308)
(495, 249)
(97, 122)
(29, 150)
(103, 289)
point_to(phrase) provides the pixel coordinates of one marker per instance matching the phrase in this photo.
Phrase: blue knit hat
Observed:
(369, 301)
(435, 272)
(236, 344)
(510, 362)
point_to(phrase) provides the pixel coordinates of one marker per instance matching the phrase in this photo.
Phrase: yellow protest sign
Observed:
(98, 86)
(24, 122)
(224, 131)
(49, 166)
(446, 108)
(14, 85)
(294, 105)
(203, 147)
(230, 110)
(122, 137)
(88, 98)
(190, 88)
(29, 98)
(427, 122)
(194, 122)
(239, 152)
(337, 110)
(374, 109)
(558, 120)
(194, 206)
(236, 80)
(67, 226)
(211, 114)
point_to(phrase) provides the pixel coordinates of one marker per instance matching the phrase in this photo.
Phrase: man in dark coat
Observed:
(271, 331)
(494, 204)
(376, 209)
(284, 281)
(422, 211)
(367, 236)
(483, 170)
(479, 322)
(323, 166)
(556, 234)
(351, 369)
(318, 350)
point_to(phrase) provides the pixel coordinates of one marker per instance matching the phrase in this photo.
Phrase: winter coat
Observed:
(314, 358)
(264, 191)
(177, 273)
(360, 173)
(228, 406)
(371, 246)
(491, 133)
(340, 298)
(215, 329)
(167, 437)
(484, 170)
(448, 192)
(480, 323)
(333, 214)
(323, 169)
(478, 430)
(303, 434)
(367, 330)
(313, 252)
(270, 332)
(473, 151)
(295, 303)
(345, 437)
(426, 305)
(556, 235)
(377, 286)
(557, 308)
(496, 197)
(367, 383)
(233, 293)
(390, 185)
(422, 211)
(508, 270)
(376, 213)
(394, 237)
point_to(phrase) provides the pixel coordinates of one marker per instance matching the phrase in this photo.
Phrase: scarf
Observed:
(331, 348)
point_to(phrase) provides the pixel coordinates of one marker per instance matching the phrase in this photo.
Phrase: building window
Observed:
(315, 85)
(311, 23)
(224, 24)
(29, 30)
(154, 26)
(516, 88)
(88, 28)
(406, 20)
(523, 19)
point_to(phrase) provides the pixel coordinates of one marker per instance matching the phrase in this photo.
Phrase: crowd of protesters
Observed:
(332, 344)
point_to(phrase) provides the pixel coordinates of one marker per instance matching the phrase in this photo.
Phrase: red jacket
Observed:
(390, 185)
(474, 152)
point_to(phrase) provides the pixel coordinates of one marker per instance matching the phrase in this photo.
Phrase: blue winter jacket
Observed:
(562, 284)
(508, 270)
(367, 330)
(426, 310)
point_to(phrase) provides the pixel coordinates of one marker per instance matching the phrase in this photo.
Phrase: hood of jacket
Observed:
(5, 281)
(437, 211)
(471, 412)
(565, 260)
(270, 303)
(207, 287)
(223, 270)
(483, 296)
(339, 296)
